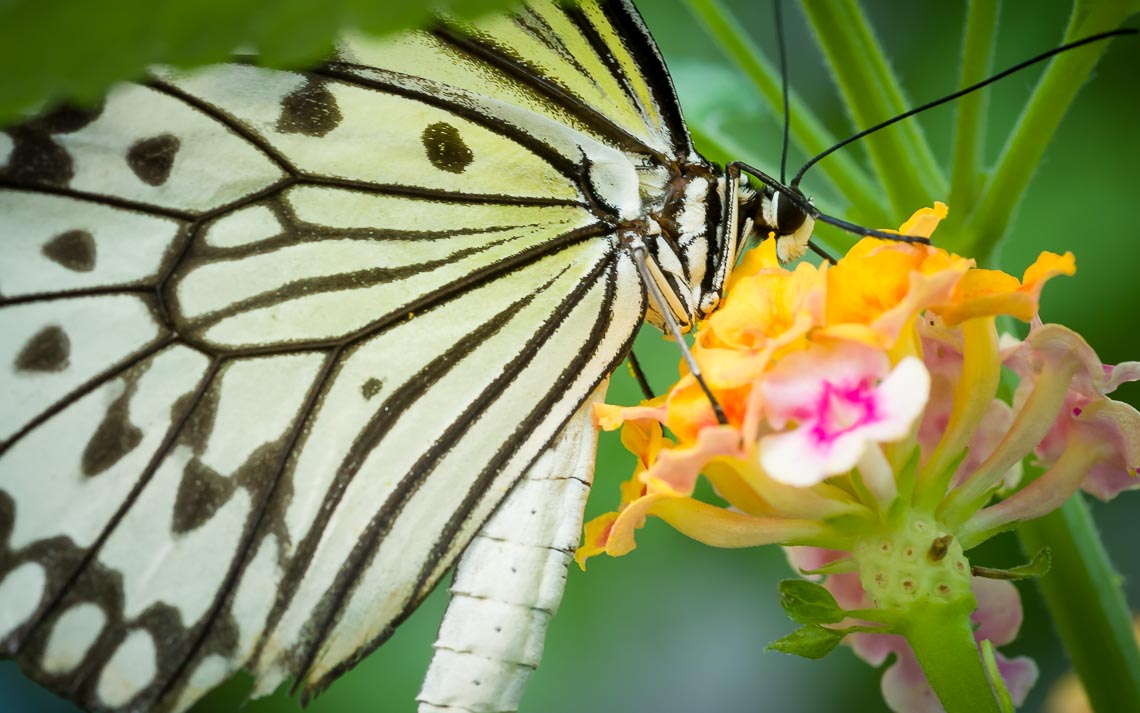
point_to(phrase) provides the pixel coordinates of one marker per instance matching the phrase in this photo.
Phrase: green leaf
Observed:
(1037, 567)
(811, 642)
(74, 50)
(809, 603)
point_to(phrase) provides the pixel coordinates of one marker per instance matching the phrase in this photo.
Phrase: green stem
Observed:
(901, 156)
(942, 637)
(970, 128)
(1084, 597)
(1052, 96)
(807, 131)
(989, 657)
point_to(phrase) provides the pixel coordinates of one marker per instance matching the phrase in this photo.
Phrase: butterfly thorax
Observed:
(684, 234)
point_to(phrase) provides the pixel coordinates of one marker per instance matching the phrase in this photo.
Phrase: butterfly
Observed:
(279, 344)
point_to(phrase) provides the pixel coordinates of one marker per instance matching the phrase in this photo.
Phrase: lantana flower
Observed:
(869, 429)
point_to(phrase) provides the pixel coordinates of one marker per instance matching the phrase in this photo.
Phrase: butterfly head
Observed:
(786, 216)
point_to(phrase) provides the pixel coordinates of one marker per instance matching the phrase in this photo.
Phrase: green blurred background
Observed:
(676, 626)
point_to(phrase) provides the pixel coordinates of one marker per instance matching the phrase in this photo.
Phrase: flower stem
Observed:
(970, 124)
(901, 156)
(1085, 599)
(1053, 95)
(942, 637)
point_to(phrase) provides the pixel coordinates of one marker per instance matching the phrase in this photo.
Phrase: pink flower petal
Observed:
(839, 409)
(1019, 675)
(796, 458)
(905, 688)
(995, 424)
(794, 386)
(1123, 372)
(998, 616)
(1106, 481)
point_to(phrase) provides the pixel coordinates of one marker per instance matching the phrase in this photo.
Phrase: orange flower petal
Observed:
(609, 417)
(925, 220)
(680, 467)
(986, 293)
(620, 538)
(594, 541)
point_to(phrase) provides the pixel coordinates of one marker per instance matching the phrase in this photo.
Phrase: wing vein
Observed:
(115, 201)
(629, 25)
(363, 279)
(229, 122)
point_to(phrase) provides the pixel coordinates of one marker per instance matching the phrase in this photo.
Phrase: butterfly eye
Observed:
(789, 216)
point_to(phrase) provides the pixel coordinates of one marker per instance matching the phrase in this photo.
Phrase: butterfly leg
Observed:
(641, 259)
(639, 374)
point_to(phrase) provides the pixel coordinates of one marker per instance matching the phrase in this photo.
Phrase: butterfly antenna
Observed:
(797, 198)
(641, 259)
(639, 374)
(961, 92)
(784, 89)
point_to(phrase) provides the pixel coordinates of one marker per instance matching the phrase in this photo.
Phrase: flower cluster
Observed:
(871, 427)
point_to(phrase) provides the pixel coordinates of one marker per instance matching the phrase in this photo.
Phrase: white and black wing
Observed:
(276, 344)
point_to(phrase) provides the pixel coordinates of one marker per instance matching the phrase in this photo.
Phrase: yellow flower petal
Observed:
(718, 527)
(986, 293)
(763, 257)
(873, 298)
(925, 220)
(594, 541)
(769, 309)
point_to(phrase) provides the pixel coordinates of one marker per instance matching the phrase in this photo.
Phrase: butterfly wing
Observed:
(279, 343)
(592, 66)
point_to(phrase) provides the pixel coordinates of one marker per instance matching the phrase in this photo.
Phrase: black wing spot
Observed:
(74, 249)
(115, 438)
(370, 388)
(67, 118)
(310, 110)
(200, 493)
(446, 149)
(47, 351)
(151, 159)
(37, 159)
